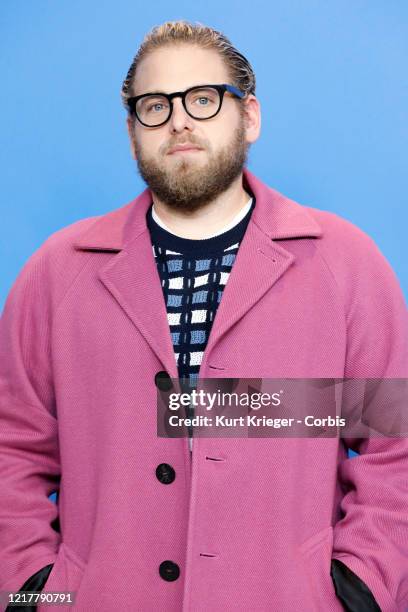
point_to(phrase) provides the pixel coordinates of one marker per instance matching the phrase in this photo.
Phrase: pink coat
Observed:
(84, 332)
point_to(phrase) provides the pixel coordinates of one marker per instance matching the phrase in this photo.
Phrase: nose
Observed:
(180, 119)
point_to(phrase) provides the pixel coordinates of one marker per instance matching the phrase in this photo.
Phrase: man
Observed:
(208, 272)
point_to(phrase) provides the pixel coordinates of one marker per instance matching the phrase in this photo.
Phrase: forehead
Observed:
(178, 67)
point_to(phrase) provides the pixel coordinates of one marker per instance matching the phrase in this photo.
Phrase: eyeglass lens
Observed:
(201, 103)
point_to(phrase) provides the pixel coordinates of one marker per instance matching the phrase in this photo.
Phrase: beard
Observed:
(189, 185)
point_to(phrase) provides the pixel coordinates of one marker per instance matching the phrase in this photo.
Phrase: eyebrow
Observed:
(160, 91)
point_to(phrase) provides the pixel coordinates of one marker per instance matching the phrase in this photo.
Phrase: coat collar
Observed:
(276, 215)
(131, 276)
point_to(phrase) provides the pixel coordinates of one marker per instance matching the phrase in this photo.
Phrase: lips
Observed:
(186, 147)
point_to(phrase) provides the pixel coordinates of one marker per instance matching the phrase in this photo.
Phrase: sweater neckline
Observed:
(237, 218)
(203, 246)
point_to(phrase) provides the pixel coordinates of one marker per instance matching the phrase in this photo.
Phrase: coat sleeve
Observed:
(371, 538)
(29, 451)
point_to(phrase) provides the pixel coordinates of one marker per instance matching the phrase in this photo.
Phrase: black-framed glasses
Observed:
(200, 102)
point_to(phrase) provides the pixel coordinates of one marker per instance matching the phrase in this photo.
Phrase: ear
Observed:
(252, 118)
(130, 129)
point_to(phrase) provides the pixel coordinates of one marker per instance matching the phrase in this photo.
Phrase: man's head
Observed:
(172, 58)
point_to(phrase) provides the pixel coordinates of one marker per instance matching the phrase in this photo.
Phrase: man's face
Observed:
(189, 180)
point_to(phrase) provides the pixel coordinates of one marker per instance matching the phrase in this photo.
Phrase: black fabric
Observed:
(353, 593)
(35, 583)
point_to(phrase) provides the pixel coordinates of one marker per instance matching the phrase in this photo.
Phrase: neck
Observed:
(209, 219)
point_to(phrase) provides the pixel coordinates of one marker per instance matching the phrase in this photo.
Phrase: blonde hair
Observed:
(178, 32)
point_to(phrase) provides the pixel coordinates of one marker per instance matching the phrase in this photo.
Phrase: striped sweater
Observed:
(193, 275)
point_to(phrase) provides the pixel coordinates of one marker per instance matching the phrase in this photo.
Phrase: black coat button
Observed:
(169, 570)
(165, 473)
(162, 381)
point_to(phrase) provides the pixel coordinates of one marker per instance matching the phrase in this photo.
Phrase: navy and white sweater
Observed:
(193, 275)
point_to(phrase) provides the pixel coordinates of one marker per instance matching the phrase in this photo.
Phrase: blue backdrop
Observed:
(332, 82)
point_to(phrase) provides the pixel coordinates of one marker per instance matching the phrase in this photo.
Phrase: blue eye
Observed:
(154, 106)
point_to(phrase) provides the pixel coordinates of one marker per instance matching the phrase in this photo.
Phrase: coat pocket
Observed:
(315, 555)
(66, 575)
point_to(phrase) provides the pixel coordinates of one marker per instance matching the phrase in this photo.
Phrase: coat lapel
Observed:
(260, 260)
(132, 278)
(257, 267)
(134, 281)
